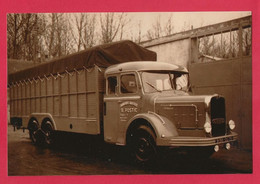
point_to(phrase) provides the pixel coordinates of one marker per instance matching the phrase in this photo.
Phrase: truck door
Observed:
(124, 101)
(111, 109)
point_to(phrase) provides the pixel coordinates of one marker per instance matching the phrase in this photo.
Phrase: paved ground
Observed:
(77, 155)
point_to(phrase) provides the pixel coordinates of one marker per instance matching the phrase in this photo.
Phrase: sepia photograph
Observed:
(129, 93)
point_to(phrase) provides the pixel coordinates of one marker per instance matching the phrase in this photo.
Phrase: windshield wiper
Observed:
(153, 86)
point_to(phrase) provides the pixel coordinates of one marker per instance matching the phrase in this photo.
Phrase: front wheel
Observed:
(143, 146)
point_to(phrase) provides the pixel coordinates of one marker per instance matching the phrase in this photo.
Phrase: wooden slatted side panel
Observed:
(18, 102)
(28, 100)
(43, 102)
(101, 84)
(56, 97)
(73, 96)
(92, 103)
(74, 99)
(12, 106)
(23, 100)
(65, 96)
(82, 100)
(33, 100)
(37, 96)
(50, 95)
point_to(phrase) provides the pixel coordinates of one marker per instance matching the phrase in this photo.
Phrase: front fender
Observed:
(161, 125)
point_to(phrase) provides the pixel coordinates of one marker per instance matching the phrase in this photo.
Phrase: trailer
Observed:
(120, 92)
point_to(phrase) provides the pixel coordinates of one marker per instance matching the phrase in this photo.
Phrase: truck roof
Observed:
(145, 66)
(102, 56)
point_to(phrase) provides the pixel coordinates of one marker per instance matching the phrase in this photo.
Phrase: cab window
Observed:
(128, 84)
(112, 85)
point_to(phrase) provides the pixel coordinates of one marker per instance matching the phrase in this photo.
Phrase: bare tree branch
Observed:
(111, 24)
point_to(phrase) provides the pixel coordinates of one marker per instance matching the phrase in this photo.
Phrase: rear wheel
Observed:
(33, 128)
(47, 129)
(143, 147)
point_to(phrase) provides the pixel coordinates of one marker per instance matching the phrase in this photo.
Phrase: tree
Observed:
(23, 32)
(222, 45)
(14, 26)
(111, 25)
(138, 38)
(84, 36)
(206, 45)
(156, 30)
(247, 41)
(168, 29)
(57, 41)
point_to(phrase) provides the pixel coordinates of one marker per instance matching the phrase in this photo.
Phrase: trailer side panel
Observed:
(74, 100)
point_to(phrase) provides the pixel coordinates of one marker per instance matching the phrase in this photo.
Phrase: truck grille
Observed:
(218, 116)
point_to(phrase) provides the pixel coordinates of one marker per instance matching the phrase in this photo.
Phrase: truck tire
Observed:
(33, 128)
(143, 147)
(47, 129)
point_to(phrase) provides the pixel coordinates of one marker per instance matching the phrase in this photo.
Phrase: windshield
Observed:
(158, 82)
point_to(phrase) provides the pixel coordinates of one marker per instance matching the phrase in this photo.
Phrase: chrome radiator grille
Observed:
(218, 116)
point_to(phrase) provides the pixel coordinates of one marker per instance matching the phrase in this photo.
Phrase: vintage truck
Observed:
(120, 92)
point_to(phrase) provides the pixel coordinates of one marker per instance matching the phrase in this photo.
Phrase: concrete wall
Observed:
(177, 52)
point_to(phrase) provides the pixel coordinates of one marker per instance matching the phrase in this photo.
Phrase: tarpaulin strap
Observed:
(77, 71)
(30, 81)
(46, 77)
(59, 75)
(99, 69)
(25, 82)
(54, 76)
(68, 73)
(89, 70)
(35, 80)
(40, 79)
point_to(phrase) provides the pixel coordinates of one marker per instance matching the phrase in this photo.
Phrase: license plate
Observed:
(224, 139)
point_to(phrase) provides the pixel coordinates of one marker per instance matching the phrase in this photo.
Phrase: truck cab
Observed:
(147, 105)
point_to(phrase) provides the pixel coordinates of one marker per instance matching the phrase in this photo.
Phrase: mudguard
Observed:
(162, 126)
(40, 117)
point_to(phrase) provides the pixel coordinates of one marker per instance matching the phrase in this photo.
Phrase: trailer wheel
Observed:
(47, 129)
(143, 147)
(33, 128)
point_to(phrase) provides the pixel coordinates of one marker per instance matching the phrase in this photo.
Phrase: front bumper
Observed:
(197, 141)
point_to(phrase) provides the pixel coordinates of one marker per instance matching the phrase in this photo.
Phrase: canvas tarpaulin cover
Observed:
(102, 56)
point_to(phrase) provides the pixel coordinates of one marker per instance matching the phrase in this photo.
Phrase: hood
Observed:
(189, 112)
(180, 97)
(185, 111)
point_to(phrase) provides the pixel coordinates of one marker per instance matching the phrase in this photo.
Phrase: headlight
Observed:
(207, 127)
(216, 148)
(228, 146)
(231, 125)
